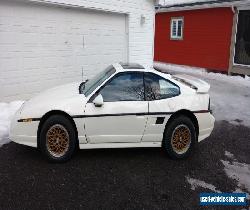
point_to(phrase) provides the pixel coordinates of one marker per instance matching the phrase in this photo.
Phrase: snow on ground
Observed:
(240, 172)
(229, 155)
(237, 171)
(7, 111)
(230, 95)
(196, 183)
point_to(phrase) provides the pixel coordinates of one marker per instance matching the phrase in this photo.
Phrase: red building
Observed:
(204, 34)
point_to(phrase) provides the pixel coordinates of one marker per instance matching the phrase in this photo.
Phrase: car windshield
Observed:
(88, 87)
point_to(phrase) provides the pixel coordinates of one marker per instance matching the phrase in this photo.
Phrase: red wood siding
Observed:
(206, 41)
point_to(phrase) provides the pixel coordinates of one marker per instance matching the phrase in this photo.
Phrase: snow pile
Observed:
(7, 111)
(230, 95)
(195, 183)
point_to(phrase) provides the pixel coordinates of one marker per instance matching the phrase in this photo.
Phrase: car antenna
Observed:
(82, 74)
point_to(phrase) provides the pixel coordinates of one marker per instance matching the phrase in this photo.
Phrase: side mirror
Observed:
(98, 101)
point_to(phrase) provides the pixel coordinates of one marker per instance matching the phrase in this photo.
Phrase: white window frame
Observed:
(175, 36)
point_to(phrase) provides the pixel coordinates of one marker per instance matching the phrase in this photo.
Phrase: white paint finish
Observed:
(80, 129)
(153, 131)
(111, 129)
(23, 133)
(200, 85)
(120, 145)
(172, 105)
(206, 125)
(127, 128)
(65, 98)
(44, 45)
(153, 128)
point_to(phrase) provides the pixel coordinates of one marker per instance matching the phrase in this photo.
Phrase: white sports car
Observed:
(124, 106)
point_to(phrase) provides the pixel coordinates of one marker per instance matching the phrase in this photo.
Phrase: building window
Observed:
(177, 28)
(242, 47)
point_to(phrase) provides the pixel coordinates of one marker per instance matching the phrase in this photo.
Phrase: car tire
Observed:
(58, 139)
(180, 138)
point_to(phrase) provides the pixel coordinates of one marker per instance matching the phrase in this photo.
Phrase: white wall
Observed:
(141, 37)
(140, 46)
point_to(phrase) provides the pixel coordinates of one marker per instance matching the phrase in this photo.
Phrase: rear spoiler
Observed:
(199, 85)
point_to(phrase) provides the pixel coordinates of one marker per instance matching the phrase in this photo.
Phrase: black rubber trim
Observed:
(202, 111)
(119, 114)
(110, 115)
(134, 114)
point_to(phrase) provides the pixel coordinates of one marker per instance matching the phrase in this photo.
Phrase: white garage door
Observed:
(43, 46)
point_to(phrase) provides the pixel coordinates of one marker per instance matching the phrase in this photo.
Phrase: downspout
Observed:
(233, 37)
(233, 9)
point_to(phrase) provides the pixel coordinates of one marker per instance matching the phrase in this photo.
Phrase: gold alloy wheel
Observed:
(181, 139)
(57, 141)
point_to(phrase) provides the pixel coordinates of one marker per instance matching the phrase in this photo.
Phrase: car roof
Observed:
(123, 67)
(119, 68)
(131, 66)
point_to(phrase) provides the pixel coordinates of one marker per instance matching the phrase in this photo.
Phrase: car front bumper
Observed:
(24, 132)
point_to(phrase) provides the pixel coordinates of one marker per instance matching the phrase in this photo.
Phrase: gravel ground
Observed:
(120, 178)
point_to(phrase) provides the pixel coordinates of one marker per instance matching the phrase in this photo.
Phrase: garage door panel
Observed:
(35, 38)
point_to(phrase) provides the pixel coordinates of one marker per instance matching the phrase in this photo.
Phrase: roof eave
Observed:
(203, 6)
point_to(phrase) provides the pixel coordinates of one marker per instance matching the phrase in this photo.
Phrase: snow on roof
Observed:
(178, 2)
(183, 4)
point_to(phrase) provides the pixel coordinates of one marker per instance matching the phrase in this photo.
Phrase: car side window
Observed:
(157, 87)
(125, 86)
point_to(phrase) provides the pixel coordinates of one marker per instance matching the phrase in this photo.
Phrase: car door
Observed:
(123, 115)
(162, 96)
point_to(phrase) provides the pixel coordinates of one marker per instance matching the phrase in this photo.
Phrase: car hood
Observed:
(64, 98)
(59, 92)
